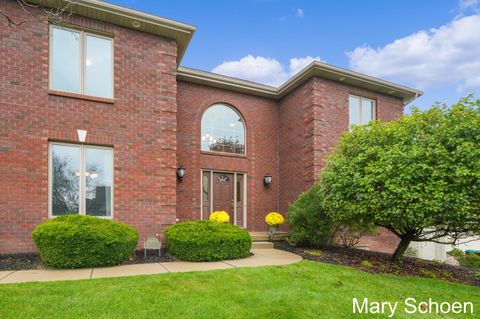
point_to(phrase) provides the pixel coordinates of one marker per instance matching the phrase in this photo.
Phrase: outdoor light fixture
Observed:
(267, 180)
(82, 135)
(180, 172)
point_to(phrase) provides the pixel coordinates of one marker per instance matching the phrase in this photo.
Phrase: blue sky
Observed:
(430, 45)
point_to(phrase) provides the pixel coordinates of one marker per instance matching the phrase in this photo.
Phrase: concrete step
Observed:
(259, 236)
(280, 236)
(263, 236)
(262, 245)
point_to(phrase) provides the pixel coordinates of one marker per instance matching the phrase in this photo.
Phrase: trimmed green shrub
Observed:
(207, 241)
(74, 241)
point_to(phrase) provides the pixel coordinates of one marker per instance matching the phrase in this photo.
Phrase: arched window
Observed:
(223, 130)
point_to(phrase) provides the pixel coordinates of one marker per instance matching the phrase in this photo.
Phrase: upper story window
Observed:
(81, 62)
(223, 130)
(361, 111)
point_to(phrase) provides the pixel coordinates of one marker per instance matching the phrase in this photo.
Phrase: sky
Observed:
(430, 45)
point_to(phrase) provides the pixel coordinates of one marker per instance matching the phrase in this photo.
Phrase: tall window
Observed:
(81, 62)
(223, 130)
(361, 111)
(80, 180)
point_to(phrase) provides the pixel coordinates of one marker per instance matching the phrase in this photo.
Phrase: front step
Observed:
(279, 236)
(262, 245)
(259, 236)
(263, 236)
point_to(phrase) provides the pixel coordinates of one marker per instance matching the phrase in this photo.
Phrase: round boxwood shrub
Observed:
(207, 241)
(74, 241)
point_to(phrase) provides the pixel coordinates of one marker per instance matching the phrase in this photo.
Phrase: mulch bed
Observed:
(152, 257)
(32, 260)
(20, 261)
(380, 263)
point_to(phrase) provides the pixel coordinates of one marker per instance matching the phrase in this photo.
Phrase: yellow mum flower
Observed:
(220, 216)
(274, 219)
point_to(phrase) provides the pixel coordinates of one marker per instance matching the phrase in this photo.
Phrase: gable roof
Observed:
(315, 68)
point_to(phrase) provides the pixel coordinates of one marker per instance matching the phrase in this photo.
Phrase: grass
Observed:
(303, 290)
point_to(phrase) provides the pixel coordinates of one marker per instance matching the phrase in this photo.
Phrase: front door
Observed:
(223, 193)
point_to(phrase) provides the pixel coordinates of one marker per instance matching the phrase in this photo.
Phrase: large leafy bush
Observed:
(74, 241)
(311, 225)
(419, 176)
(207, 241)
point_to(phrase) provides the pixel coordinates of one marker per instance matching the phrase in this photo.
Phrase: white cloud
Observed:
(465, 5)
(257, 69)
(448, 55)
(263, 69)
(299, 13)
(297, 64)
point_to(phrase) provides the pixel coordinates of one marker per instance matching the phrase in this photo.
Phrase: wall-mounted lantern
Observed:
(180, 172)
(267, 180)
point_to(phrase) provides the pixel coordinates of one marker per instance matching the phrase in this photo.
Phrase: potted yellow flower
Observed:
(220, 216)
(273, 220)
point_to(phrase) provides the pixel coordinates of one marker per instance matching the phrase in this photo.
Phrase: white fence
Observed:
(434, 251)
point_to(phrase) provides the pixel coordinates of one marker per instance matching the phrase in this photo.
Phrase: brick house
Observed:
(98, 117)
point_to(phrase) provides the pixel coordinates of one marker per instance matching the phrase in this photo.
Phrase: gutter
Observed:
(314, 69)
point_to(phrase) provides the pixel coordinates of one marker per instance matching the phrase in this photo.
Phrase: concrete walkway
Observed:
(261, 257)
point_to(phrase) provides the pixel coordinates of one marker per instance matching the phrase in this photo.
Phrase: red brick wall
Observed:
(308, 122)
(140, 125)
(312, 118)
(295, 144)
(261, 119)
(151, 136)
(385, 241)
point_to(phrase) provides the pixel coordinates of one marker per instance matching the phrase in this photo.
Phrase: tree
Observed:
(36, 11)
(418, 176)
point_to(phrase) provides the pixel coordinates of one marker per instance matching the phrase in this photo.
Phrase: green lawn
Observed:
(303, 290)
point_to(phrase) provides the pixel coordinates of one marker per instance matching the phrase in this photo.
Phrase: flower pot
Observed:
(272, 230)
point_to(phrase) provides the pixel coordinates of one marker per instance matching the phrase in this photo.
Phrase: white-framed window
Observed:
(360, 110)
(223, 130)
(80, 180)
(81, 62)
